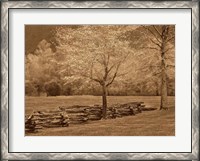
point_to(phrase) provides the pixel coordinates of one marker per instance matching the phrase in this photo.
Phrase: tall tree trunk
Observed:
(163, 86)
(104, 100)
(164, 102)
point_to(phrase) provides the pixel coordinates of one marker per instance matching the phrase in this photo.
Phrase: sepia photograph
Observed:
(99, 80)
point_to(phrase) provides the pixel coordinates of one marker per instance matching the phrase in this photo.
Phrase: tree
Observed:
(41, 66)
(93, 52)
(156, 43)
(34, 73)
(52, 88)
(30, 89)
(162, 36)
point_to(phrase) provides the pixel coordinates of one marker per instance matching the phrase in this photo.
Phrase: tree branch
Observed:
(157, 31)
(170, 39)
(170, 57)
(155, 43)
(152, 33)
(171, 66)
(115, 74)
(106, 73)
(148, 47)
(91, 75)
(91, 78)
(96, 80)
(155, 74)
(108, 59)
(122, 74)
(111, 68)
(168, 49)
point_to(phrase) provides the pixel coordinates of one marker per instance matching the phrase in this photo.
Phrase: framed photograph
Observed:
(100, 80)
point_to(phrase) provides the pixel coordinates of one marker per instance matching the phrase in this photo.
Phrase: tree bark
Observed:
(104, 100)
(163, 86)
(164, 102)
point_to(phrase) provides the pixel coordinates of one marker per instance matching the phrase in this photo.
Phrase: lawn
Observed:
(151, 123)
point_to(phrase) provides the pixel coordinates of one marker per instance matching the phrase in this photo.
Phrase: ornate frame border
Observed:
(5, 6)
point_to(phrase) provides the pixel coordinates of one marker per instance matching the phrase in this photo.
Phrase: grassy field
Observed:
(151, 123)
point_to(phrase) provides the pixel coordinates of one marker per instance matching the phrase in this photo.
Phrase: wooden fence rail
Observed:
(64, 116)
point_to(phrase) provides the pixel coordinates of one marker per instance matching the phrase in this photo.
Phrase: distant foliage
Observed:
(41, 67)
(52, 88)
(30, 89)
(67, 91)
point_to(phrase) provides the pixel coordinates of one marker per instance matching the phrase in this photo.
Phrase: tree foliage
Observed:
(41, 66)
(94, 53)
(52, 88)
(124, 59)
(158, 42)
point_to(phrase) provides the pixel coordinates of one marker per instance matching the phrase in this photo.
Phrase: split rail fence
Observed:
(64, 116)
